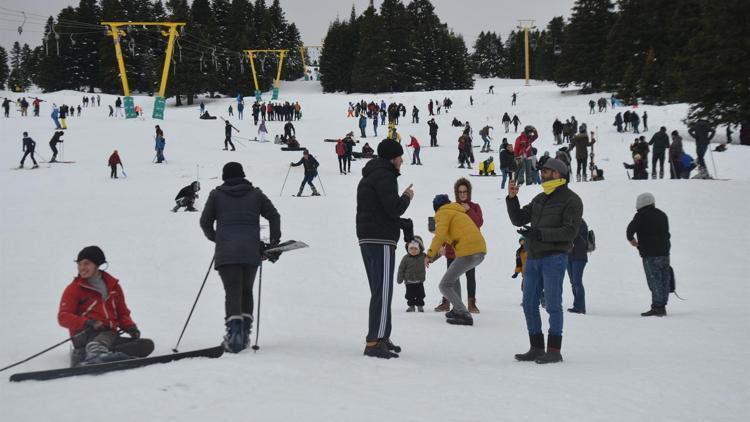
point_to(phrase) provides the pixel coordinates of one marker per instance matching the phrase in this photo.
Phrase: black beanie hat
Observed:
(93, 254)
(232, 170)
(389, 149)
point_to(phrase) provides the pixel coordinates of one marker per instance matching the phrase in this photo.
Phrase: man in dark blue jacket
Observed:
(310, 165)
(28, 149)
(236, 207)
(649, 232)
(379, 210)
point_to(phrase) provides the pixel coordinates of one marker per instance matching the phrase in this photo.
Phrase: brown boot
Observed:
(444, 306)
(473, 305)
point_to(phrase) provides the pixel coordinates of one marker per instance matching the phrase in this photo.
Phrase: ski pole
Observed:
(286, 177)
(257, 319)
(194, 303)
(321, 185)
(713, 163)
(123, 170)
(45, 350)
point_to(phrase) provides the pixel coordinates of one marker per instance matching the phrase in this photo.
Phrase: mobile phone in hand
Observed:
(431, 224)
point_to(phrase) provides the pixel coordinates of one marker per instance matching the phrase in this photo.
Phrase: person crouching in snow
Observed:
(638, 167)
(186, 197)
(411, 271)
(93, 309)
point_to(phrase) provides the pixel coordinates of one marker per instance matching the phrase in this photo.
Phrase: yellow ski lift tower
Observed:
(302, 54)
(116, 33)
(525, 25)
(252, 54)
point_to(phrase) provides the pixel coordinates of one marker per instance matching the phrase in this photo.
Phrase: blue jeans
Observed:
(575, 273)
(506, 173)
(544, 275)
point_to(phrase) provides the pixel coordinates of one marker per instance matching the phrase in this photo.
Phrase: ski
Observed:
(293, 149)
(100, 368)
(486, 175)
(289, 245)
(58, 162)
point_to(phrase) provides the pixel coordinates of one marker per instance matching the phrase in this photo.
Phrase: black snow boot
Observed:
(536, 349)
(379, 350)
(461, 319)
(234, 338)
(553, 351)
(392, 347)
(659, 311)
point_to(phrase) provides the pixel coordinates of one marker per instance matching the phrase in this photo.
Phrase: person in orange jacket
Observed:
(94, 311)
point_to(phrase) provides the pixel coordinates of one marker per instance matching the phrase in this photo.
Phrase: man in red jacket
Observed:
(522, 152)
(93, 309)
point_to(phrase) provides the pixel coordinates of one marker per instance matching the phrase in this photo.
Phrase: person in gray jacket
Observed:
(236, 207)
(412, 271)
(553, 219)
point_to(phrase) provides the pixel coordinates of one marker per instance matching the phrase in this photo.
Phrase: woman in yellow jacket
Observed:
(454, 227)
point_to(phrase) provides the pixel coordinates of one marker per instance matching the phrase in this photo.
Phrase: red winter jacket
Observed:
(114, 159)
(414, 143)
(475, 213)
(522, 147)
(81, 302)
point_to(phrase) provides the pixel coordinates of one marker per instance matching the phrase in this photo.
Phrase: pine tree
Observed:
(395, 48)
(649, 86)
(367, 71)
(18, 80)
(488, 57)
(584, 45)
(423, 64)
(4, 69)
(84, 48)
(549, 50)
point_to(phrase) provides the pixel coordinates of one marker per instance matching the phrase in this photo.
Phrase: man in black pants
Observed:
(28, 149)
(228, 136)
(53, 144)
(379, 208)
(433, 132)
(236, 207)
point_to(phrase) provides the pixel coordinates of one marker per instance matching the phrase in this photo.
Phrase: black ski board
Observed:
(293, 149)
(100, 368)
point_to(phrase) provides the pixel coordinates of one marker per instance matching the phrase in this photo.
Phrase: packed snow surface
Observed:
(690, 366)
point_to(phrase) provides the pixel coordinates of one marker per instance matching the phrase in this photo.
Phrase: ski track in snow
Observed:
(689, 366)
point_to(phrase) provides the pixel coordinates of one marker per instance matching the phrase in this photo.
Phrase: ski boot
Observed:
(315, 192)
(234, 341)
(98, 353)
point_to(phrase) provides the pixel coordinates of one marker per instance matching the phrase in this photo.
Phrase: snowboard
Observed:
(58, 162)
(489, 175)
(100, 368)
(293, 149)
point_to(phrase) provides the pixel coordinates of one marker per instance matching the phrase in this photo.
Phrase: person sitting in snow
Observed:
(367, 149)
(186, 197)
(93, 309)
(487, 167)
(638, 167)
(411, 271)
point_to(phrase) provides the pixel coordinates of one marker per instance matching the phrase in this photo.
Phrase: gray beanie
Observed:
(645, 199)
(557, 165)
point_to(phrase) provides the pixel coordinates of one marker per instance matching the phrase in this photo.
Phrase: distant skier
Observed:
(36, 103)
(113, 161)
(433, 132)
(28, 147)
(53, 145)
(660, 143)
(645, 121)
(415, 115)
(55, 115)
(118, 107)
(513, 100)
(485, 134)
(702, 133)
(310, 165)
(6, 107)
(362, 124)
(230, 110)
(415, 157)
(592, 107)
(516, 121)
(618, 122)
(289, 130)
(159, 144)
(228, 135)
(491, 90)
(186, 197)
(506, 122)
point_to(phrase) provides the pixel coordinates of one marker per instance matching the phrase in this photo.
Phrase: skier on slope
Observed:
(186, 197)
(228, 135)
(231, 219)
(94, 311)
(53, 144)
(28, 147)
(310, 164)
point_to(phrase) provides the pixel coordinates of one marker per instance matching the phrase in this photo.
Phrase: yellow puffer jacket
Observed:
(454, 227)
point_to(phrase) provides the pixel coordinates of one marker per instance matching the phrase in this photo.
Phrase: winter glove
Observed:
(515, 275)
(134, 332)
(92, 324)
(271, 256)
(530, 233)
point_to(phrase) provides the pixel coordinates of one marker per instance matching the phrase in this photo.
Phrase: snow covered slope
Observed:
(689, 366)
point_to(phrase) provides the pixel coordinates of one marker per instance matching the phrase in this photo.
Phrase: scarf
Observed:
(550, 185)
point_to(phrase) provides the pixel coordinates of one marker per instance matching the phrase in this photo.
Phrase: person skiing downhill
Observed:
(310, 165)
(186, 197)
(28, 147)
(53, 144)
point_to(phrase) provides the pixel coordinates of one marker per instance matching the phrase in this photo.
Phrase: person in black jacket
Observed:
(507, 163)
(235, 209)
(228, 135)
(433, 132)
(649, 232)
(28, 149)
(186, 197)
(379, 208)
(577, 259)
(702, 133)
(554, 219)
(310, 165)
(660, 142)
(53, 144)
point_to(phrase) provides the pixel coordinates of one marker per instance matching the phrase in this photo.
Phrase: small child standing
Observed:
(412, 272)
(520, 260)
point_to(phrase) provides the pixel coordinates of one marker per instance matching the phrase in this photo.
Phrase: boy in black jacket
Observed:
(311, 171)
(651, 229)
(186, 197)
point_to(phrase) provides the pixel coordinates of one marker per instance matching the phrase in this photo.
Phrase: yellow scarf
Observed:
(550, 185)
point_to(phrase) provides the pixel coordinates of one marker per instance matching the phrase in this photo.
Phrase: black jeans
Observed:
(657, 158)
(228, 141)
(415, 294)
(28, 152)
(342, 163)
(581, 166)
(238, 282)
(113, 171)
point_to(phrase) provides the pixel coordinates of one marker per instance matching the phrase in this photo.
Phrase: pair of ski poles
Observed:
(287, 176)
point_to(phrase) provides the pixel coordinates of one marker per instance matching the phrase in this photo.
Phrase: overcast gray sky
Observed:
(467, 17)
